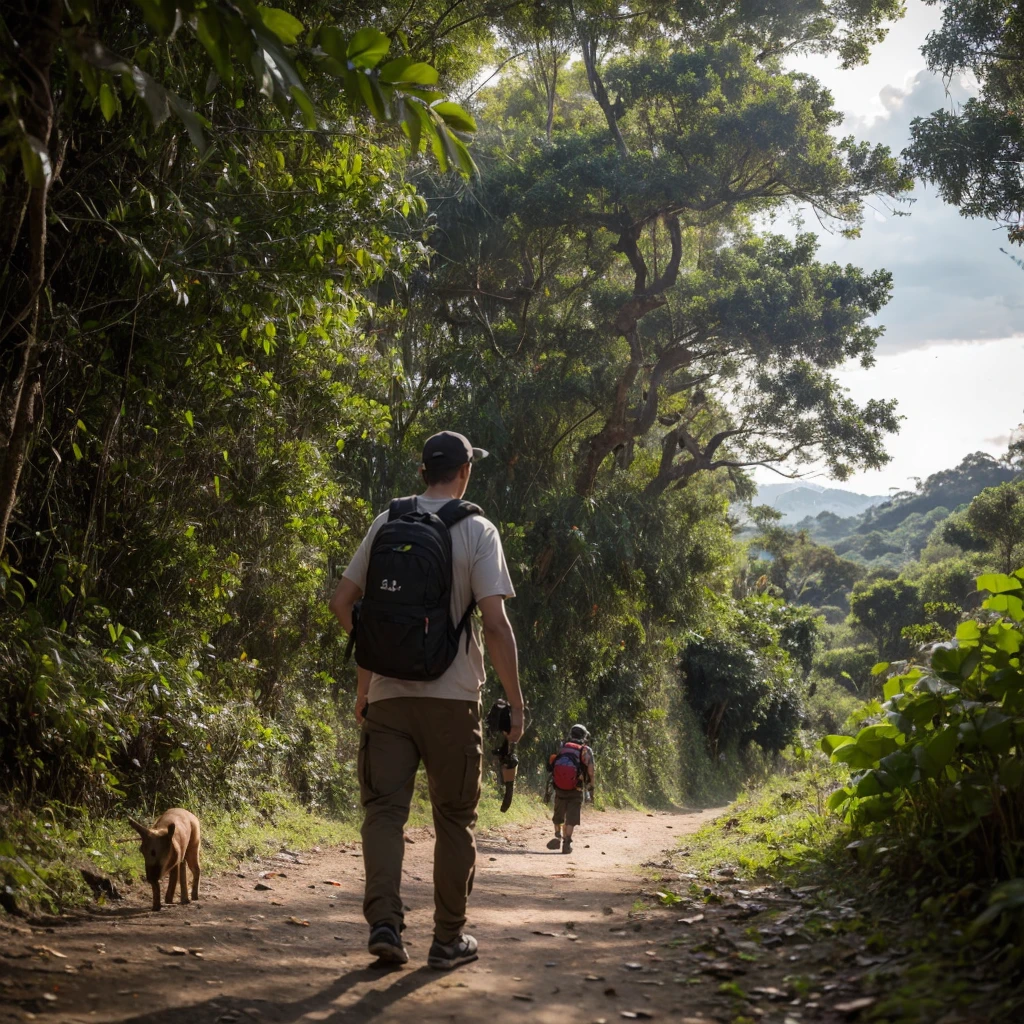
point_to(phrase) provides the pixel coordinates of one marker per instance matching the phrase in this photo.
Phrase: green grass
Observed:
(40, 854)
(777, 827)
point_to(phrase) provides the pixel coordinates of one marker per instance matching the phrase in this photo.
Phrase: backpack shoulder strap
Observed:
(456, 510)
(400, 507)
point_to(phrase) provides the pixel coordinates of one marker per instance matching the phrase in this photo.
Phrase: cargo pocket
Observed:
(363, 767)
(471, 778)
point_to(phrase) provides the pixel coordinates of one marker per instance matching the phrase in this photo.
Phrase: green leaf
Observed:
(367, 47)
(35, 160)
(838, 798)
(462, 156)
(968, 631)
(879, 667)
(285, 26)
(830, 744)
(455, 117)
(998, 583)
(210, 33)
(160, 15)
(190, 119)
(370, 94)
(892, 688)
(411, 124)
(333, 42)
(189, 418)
(303, 102)
(108, 101)
(405, 71)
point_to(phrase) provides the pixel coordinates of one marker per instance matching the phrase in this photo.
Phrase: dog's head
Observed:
(156, 848)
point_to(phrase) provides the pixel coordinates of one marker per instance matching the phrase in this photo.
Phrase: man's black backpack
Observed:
(402, 626)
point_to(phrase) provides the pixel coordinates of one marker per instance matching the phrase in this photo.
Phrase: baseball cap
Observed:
(449, 449)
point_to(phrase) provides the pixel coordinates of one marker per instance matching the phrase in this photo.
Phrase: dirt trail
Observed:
(557, 939)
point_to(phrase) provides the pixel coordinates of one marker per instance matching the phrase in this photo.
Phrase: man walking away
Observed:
(571, 769)
(420, 670)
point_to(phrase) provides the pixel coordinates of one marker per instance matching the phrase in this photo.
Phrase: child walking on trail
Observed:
(572, 769)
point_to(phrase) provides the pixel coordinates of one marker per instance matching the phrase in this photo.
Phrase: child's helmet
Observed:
(579, 732)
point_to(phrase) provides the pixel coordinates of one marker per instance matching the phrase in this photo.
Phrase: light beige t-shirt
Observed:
(479, 570)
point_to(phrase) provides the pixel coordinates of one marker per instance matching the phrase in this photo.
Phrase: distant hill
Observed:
(890, 532)
(799, 499)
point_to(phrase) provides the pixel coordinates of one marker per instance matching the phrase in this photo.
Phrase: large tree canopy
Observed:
(618, 235)
(975, 155)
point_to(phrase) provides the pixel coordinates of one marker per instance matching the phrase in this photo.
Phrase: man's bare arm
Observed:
(343, 601)
(501, 646)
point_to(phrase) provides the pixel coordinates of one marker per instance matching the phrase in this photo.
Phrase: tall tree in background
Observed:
(975, 155)
(625, 246)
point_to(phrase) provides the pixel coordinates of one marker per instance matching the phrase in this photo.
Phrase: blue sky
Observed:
(953, 351)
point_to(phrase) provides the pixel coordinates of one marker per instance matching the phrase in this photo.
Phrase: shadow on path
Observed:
(369, 1005)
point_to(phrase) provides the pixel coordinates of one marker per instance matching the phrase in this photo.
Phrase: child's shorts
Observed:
(568, 804)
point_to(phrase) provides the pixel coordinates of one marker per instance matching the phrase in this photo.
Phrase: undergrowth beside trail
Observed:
(915, 948)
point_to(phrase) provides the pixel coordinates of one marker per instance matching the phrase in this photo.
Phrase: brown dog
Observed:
(167, 847)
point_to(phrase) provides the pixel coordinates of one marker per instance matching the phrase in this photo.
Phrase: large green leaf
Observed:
(455, 117)
(285, 26)
(333, 42)
(998, 583)
(367, 47)
(830, 744)
(405, 71)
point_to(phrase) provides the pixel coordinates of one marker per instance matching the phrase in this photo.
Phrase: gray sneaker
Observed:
(386, 945)
(461, 951)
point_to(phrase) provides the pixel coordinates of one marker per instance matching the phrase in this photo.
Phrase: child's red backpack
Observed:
(567, 766)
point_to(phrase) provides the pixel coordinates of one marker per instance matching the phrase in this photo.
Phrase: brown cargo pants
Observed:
(445, 735)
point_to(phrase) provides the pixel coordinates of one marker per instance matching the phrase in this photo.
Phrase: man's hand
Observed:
(517, 725)
(501, 646)
(362, 692)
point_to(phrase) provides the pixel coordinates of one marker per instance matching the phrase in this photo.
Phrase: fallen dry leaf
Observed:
(770, 992)
(522, 997)
(47, 951)
(695, 919)
(298, 921)
(331, 881)
(172, 950)
(549, 934)
(855, 1005)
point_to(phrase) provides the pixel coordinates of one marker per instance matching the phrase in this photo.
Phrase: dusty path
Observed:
(256, 965)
